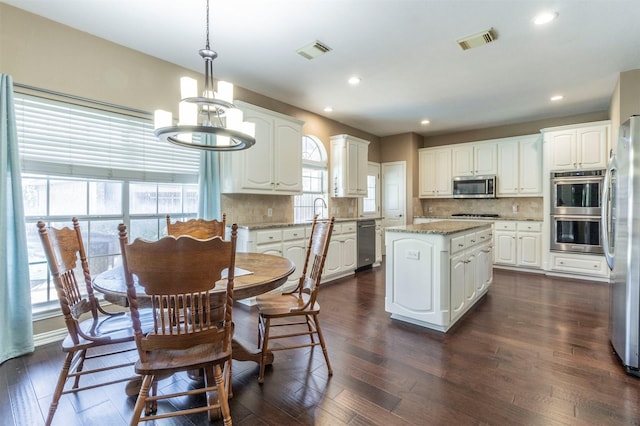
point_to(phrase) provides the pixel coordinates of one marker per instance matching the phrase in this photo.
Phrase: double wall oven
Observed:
(576, 207)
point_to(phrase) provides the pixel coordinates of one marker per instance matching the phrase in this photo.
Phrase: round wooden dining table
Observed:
(255, 274)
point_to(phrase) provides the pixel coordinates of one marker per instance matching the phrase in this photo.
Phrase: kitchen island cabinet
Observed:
(437, 271)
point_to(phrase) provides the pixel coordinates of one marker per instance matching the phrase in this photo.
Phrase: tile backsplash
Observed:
(515, 207)
(246, 209)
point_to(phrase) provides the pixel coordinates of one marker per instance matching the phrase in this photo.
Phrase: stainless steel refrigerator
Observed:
(621, 241)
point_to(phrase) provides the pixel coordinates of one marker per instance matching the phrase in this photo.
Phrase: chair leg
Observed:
(83, 355)
(141, 402)
(151, 407)
(265, 347)
(62, 379)
(308, 319)
(324, 347)
(223, 398)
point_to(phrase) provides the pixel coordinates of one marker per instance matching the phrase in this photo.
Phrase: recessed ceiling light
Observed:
(354, 81)
(425, 122)
(328, 109)
(557, 98)
(545, 18)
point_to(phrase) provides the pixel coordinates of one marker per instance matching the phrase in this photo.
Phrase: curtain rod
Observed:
(82, 99)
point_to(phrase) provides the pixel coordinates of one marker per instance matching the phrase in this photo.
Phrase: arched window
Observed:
(314, 196)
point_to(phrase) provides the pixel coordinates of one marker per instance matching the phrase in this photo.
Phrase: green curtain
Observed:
(16, 330)
(209, 185)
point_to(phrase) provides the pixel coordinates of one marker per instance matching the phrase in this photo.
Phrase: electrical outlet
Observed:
(514, 208)
(269, 212)
(430, 209)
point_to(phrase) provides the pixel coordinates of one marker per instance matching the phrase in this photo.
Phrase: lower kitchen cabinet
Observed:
(379, 248)
(290, 242)
(341, 257)
(432, 279)
(518, 243)
(580, 264)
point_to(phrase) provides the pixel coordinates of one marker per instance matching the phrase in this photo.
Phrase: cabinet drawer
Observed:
(529, 226)
(337, 228)
(289, 234)
(581, 265)
(505, 226)
(270, 236)
(458, 243)
(484, 236)
(471, 239)
(349, 228)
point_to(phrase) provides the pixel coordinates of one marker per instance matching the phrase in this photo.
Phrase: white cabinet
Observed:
(580, 264)
(434, 172)
(274, 164)
(287, 241)
(474, 159)
(341, 257)
(349, 162)
(433, 279)
(584, 146)
(520, 167)
(518, 243)
(379, 253)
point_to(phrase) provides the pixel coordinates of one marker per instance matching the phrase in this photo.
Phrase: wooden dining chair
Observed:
(103, 334)
(296, 312)
(192, 323)
(197, 228)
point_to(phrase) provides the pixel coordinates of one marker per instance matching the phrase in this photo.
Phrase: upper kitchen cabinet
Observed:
(578, 147)
(474, 159)
(435, 172)
(520, 167)
(274, 164)
(349, 157)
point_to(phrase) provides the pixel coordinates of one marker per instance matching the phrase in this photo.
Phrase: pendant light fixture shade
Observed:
(210, 121)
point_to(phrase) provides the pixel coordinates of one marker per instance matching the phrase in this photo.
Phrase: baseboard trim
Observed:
(49, 337)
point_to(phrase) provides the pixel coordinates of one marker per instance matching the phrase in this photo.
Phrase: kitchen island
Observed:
(437, 271)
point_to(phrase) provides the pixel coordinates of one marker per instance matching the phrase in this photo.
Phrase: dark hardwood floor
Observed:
(533, 351)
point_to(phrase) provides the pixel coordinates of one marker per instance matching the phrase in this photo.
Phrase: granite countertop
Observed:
(445, 227)
(535, 219)
(263, 225)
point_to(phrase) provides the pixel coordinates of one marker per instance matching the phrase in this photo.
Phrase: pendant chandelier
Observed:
(209, 122)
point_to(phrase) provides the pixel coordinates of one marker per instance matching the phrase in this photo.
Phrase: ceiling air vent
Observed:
(313, 50)
(477, 39)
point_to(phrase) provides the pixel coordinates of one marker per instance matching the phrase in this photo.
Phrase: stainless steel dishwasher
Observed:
(366, 243)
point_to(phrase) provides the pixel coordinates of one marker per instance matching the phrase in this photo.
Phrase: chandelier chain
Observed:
(207, 44)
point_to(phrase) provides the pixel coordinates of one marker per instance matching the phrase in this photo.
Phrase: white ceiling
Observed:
(405, 51)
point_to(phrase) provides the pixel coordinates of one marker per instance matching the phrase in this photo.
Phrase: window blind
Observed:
(66, 139)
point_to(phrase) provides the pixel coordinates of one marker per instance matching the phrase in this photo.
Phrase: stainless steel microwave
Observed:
(474, 187)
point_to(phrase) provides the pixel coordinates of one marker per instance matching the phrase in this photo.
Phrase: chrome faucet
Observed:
(323, 203)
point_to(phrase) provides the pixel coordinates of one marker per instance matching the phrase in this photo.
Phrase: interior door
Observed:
(394, 194)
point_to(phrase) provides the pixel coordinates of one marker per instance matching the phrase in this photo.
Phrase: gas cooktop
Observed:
(488, 215)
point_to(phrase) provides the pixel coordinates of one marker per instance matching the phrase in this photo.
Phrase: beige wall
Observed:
(625, 101)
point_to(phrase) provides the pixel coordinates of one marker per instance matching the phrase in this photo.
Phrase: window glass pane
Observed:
(169, 198)
(314, 177)
(105, 197)
(143, 198)
(67, 197)
(191, 197)
(34, 195)
(144, 228)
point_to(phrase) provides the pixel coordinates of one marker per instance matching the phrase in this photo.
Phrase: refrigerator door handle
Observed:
(605, 220)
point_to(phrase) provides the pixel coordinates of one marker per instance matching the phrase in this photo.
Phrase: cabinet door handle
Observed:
(473, 241)
(460, 245)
